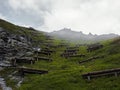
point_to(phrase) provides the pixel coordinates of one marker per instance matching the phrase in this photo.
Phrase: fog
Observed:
(80, 37)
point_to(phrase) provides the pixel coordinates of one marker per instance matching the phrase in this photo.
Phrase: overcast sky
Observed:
(95, 16)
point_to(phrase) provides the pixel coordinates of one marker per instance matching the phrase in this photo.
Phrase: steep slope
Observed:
(17, 46)
(29, 33)
(66, 73)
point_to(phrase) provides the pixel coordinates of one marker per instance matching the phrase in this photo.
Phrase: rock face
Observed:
(12, 45)
(3, 84)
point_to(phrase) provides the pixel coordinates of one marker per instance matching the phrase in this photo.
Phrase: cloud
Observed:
(2, 17)
(30, 12)
(38, 6)
(96, 16)
(25, 12)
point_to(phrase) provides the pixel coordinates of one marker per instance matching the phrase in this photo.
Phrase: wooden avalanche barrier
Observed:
(28, 60)
(22, 71)
(48, 51)
(90, 59)
(77, 55)
(43, 53)
(90, 75)
(94, 47)
(43, 58)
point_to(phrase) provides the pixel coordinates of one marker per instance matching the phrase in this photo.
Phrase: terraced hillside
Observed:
(66, 64)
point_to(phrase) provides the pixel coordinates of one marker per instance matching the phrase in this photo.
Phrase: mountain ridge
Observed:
(71, 35)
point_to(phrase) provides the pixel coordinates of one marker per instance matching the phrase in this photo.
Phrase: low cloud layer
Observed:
(96, 16)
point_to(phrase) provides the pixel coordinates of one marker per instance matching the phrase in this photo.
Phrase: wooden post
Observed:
(22, 72)
(88, 78)
(37, 56)
(31, 62)
(116, 74)
(14, 62)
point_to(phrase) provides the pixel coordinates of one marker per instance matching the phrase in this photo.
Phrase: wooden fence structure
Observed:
(22, 71)
(90, 75)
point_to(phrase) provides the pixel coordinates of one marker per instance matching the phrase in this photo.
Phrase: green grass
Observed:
(65, 74)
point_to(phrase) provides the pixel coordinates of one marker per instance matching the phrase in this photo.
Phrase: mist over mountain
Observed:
(70, 35)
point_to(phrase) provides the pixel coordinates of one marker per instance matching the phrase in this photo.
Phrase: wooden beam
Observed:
(102, 73)
(22, 71)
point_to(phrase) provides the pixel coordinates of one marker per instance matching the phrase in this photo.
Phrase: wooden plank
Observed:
(22, 71)
(48, 51)
(43, 58)
(71, 50)
(90, 59)
(43, 53)
(75, 47)
(15, 60)
(66, 55)
(101, 73)
(94, 47)
(77, 55)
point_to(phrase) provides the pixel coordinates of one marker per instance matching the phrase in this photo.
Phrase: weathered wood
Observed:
(71, 50)
(22, 71)
(42, 53)
(77, 55)
(43, 58)
(50, 45)
(28, 60)
(63, 45)
(48, 51)
(7, 66)
(75, 47)
(65, 55)
(90, 75)
(94, 47)
(91, 58)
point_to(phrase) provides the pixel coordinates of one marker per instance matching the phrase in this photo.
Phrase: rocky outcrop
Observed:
(13, 45)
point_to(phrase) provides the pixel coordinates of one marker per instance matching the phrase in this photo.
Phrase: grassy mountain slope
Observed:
(35, 35)
(65, 74)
